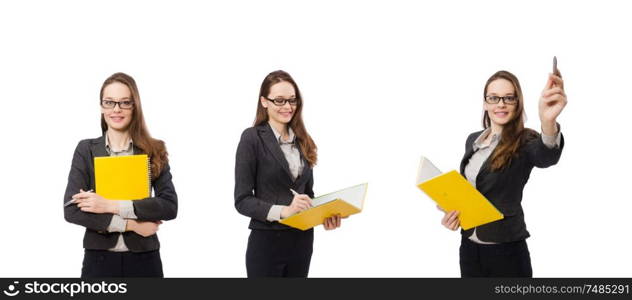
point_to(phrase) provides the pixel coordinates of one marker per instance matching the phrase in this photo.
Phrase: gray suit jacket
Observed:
(263, 178)
(163, 206)
(503, 188)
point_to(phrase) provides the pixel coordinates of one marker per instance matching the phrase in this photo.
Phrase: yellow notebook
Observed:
(345, 202)
(453, 192)
(122, 177)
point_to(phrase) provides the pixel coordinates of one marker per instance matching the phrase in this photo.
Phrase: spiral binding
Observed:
(149, 174)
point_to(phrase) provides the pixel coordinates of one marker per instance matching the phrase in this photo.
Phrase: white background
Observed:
(383, 83)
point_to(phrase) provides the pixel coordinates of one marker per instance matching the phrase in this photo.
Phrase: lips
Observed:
(286, 114)
(117, 119)
(501, 114)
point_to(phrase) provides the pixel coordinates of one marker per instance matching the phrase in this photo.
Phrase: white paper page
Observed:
(426, 170)
(353, 195)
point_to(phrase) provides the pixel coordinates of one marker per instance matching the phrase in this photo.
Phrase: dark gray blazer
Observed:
(263, 178)
(163, 206)
(504, 188)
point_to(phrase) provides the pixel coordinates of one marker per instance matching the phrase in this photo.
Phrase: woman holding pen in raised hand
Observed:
(120, 238)
(274, 180)
(498, 161)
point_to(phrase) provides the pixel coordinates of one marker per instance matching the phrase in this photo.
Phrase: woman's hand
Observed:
(332, 222)
(552, 102)
(143, 228)
(92, 202)
(300, 203)
(451, 220)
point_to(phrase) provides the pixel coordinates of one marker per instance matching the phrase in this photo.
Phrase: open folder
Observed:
(453, 192)
(122, 177)
(345, 202)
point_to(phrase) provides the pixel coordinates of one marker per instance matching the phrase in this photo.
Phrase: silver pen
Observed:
(72, 201)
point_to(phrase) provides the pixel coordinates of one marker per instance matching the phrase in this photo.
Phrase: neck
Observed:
(118, 139)
(496, 129)
(279, 127)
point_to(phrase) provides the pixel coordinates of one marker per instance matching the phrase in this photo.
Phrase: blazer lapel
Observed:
(98, 147)
(466, 158)
(270, 142)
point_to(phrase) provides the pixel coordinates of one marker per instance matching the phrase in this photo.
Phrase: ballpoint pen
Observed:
(72, 200)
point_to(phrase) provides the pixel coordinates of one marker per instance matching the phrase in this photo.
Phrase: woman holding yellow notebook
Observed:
(273, 180)
(498, 161)
(120, 238)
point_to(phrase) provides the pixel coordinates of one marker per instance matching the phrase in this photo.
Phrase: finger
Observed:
(83, 195)
(440, 209)
(338, 221)
(326, 224)
(444, 220)
(79, 196)
(557, 80)
(549, 82)
(552, 100)
(551, 91)
(446, 217)
(455, 226)
(305, 203)
(303, 197)
(452, 217)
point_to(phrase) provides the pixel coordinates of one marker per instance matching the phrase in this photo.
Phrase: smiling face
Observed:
(117, 118)
(500, 113)
(283, 114)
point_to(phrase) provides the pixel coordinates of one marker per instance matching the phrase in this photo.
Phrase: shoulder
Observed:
(251, 134)
(472, 137)
(85, 144)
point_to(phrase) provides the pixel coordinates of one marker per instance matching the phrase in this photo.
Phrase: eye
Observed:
(293, 101)
(108, 102)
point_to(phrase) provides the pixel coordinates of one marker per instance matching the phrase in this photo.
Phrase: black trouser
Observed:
(279, 253)
(496, 260)
(103, 263)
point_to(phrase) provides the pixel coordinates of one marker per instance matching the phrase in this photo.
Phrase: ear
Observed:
(264, 102)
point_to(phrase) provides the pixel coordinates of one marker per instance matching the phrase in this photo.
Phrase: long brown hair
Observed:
(514, 133)
(306, 144)
(154, 148)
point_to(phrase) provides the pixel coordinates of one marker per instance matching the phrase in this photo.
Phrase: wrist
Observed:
(130, 225)
(549, 127)
(114, 207)
(284, 211)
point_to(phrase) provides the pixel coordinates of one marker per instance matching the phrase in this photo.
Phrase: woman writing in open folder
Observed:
(498, 161)
(274, 158)
(120, 238)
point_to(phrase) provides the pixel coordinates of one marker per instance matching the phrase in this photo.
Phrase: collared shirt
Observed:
(482, 152)
(126, 208)
(295, 163)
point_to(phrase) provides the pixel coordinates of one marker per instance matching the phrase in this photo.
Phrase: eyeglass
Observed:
(110, 104)
(509, 100)
(281, 101)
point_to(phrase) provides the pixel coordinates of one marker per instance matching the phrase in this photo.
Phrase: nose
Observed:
(287, 105)
(117, 107)
(501, 103)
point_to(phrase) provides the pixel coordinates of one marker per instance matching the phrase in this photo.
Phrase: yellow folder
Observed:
(345, 202)
(122, 177)
(451, 191)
